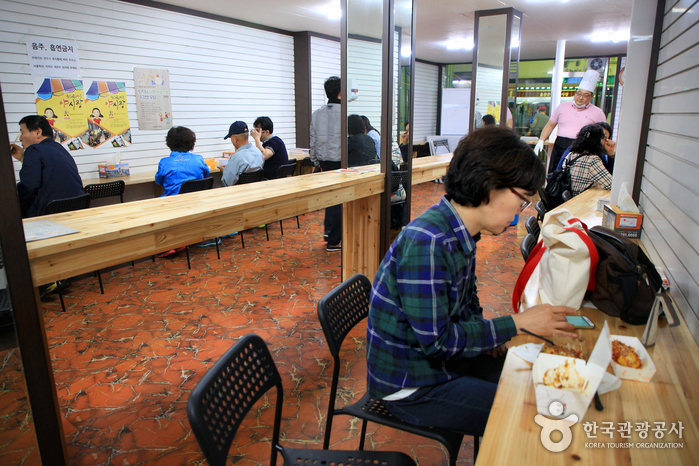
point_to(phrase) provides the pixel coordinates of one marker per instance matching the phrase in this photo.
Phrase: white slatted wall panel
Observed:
(364, 63)
(426, 96)
(219, 72)
(619, 95)
(670, 185)
(325, 62)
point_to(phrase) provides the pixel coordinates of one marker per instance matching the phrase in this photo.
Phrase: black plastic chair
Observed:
(533, 227)
(527, 245)
(567, 196)
(110, 189)
(306, 162)
(67, 205)
(228, 391)
(286, 171)
(251, 177)
(191, 186)
(100, 190)
(541, 210)
(339, 312)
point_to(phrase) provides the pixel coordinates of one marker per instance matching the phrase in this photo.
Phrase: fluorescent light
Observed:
(405, 51)
(456, 44)
(617, 36)
(333, 12)
(515, 43)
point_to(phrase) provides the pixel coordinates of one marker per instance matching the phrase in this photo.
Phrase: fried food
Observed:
(562, 351)
(625, 355)
(564, 376)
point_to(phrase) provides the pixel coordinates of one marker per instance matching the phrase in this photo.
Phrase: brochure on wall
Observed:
(43, 229)
(107, 114)
(62, 102)
(53, 58)
(153, 102)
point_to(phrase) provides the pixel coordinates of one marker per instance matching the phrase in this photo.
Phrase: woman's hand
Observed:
(546, 320)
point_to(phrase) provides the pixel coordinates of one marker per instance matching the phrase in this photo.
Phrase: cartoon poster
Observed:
(153, 101)
(62, 102)
(107, 115)
(494, 109)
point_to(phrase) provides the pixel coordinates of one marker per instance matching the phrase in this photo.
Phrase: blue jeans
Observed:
(461, 405)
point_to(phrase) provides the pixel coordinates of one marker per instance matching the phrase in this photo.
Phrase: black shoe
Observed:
(334, 247)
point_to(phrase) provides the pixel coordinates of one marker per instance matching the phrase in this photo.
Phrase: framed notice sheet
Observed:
(153, 98)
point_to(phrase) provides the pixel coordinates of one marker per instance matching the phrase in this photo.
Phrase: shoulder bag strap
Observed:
(527, 271)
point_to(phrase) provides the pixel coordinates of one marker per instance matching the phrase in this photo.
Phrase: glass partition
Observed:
(496, 59)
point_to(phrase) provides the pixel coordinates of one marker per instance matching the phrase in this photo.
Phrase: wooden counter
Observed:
(117, 233)
(512, 436)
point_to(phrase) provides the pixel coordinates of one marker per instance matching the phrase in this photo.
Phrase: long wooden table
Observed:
(512, 436)
(118, 233)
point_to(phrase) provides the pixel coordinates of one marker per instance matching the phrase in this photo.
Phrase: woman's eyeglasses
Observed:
(525, 202)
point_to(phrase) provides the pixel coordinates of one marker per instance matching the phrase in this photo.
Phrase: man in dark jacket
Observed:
(48, 170)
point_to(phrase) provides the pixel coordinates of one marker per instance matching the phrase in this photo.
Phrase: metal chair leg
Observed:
(189, 265)
(218, 253)
(298, 225)
(242, 241)
(266, 232)
(99, 279)
(281, 227)
(60, 296)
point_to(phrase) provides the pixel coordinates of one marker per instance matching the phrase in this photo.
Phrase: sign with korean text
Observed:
(153, 102)
(107, 114)
(53, 58)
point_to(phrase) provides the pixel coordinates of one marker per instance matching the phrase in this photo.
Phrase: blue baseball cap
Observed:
(239, 127)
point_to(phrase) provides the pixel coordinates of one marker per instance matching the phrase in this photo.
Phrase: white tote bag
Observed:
(564, 262)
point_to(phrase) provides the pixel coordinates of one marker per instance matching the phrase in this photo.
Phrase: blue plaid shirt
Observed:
(424, 316)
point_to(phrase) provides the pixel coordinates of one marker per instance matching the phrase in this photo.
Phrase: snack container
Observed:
(574, 401)
(647, 370)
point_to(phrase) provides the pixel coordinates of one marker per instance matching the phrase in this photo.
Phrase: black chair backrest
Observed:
(286, 170)
(291, 161)
(250, 177)
(306, 162)
(343, 308)
(227, 392)
(533, 226)
(541, 210)
(527, 245)
(566, 196)
(113, 188)
(68, 204)
(191, 186)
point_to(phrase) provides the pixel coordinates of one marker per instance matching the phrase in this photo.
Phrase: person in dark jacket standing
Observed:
(48, 170)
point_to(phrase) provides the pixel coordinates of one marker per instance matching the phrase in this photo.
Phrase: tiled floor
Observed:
(126, 361)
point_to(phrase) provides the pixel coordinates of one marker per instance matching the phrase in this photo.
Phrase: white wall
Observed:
(219, 72)
(426, 84)
(669, 195)
(325, 62)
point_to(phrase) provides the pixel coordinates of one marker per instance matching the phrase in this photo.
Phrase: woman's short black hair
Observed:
(606, 126)
(589, 140)
(355, 125)
(367, 124)
(180, 139)
(491, 158)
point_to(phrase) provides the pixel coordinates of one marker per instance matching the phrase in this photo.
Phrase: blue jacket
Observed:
(178, 168)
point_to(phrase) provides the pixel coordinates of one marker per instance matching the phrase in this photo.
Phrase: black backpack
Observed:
(626, 281)
(556, 184)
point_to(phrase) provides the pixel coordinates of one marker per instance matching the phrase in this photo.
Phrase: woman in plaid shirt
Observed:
(431, 356)
(588, 168)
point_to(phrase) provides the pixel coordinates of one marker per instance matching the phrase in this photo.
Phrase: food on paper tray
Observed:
(564, 376)
(562, 351)
(624, 355)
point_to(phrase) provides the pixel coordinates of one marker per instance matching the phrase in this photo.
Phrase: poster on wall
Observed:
(153, 102)
(62, 102)
(53, 58)
(107, 115)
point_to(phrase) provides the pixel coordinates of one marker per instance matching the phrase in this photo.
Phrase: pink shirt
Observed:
(571, 119)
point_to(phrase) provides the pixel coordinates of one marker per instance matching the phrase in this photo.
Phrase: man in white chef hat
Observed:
(570, 117)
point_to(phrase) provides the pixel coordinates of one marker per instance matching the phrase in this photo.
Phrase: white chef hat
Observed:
(589, 81)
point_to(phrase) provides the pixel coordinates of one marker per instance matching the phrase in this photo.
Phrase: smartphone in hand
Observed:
(580, 321)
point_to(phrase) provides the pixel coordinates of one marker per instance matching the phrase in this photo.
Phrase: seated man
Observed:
(181, 165)
(48, 171)
(247, 158)
(272, 147)
(431, 356)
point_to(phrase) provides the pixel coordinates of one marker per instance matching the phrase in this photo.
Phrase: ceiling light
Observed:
(618, 36)
(333, 12)
(456, 44)
(405, 51)
(515, 43)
